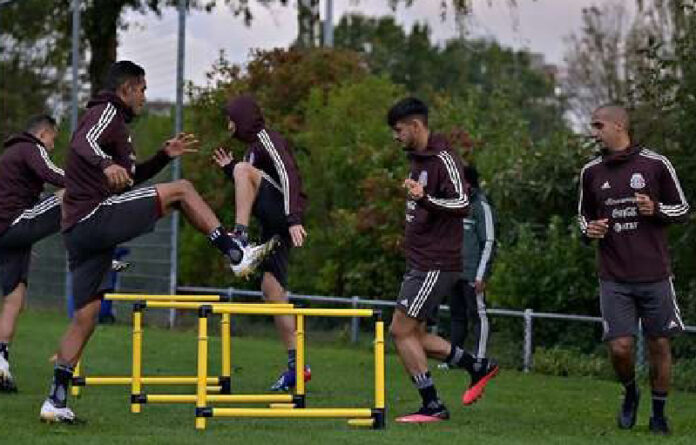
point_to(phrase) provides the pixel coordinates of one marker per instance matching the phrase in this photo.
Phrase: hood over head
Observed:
(247, 117)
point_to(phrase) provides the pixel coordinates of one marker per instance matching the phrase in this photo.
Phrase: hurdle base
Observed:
(299, 400)
(225, 384)
(379, 415)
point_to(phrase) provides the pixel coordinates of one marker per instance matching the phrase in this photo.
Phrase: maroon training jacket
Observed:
(434, 230)
(102, 138)
(269, 152)
(635, 247)
(24, 169)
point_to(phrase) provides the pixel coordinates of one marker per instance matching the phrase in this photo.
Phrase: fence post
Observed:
(355, 321)
(528, 319)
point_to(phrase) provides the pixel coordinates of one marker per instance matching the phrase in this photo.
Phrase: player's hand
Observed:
(597, 229)
(646, 206)
(117, 177)
(181, 144)
(479, 287)
(414, 189)
(298, 235)
(222, 157)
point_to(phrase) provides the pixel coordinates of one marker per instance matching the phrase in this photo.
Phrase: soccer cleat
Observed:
(287, 380)
(626, 418)
(426, 414)
(659, 425)
(52, 414)
(7, 383)
(252, 256)
(479, 381)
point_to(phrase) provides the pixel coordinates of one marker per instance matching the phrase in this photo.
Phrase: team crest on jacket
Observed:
(423, 178)
(637, 181)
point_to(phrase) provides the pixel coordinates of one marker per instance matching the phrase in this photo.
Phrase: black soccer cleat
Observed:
(626, 418)
(659, 425)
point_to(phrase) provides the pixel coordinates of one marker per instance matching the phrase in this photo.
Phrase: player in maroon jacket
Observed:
(436, 201)
(267, 184)
(628, 196)
(25, 219)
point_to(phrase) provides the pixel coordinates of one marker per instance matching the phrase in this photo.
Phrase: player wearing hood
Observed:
(268, 185)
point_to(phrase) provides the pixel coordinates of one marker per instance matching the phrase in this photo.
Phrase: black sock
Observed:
(631, 390)
(659, 399)
(62, 376)
(222, 241)
(5, 350)
(292, 358)
(426, 388)
(461, 359)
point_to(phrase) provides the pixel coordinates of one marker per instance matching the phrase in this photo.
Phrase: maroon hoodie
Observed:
(635, 247)
(269, 152)
(24, 169)
(434, 223)
(102, 138)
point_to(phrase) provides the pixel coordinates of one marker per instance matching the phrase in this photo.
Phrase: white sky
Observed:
(537, 25)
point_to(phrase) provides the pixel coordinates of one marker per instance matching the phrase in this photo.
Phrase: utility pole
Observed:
(176, 165)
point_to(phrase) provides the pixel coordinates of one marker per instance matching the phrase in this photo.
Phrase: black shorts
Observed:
(423, 291)
(28, 228)
(655, 304)
(269, 209)
(92, 241)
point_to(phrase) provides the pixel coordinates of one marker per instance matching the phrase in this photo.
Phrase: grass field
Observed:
(517, 408)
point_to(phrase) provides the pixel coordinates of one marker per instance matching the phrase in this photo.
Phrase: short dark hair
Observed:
(409, 107)
(121, 72)
(39, 122)
(471, 176)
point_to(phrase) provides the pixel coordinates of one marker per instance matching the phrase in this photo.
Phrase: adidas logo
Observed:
(672, 324)
(404, 302)
(606, 186)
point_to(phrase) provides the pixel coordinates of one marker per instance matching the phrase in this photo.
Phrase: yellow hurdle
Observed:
(281, 405)
(136, 381)
(374, 417)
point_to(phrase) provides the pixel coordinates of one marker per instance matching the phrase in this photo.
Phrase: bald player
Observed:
(628, 197)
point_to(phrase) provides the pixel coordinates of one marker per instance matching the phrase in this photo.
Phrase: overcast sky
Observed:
(537, 25)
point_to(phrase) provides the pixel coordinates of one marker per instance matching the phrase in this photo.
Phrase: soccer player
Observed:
(478, 250)
(101, 210)
(25, 166)
(628, 196)
(437, 201)
(268, 185)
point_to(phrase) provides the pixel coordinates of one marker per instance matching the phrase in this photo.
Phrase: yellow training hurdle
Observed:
(286, 405)
(136, 380)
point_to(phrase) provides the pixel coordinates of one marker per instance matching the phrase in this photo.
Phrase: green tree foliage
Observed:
(459, 68)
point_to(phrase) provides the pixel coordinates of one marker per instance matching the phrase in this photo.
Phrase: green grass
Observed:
(517, 407)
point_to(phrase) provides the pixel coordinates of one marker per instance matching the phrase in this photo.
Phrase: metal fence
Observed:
(527, 315)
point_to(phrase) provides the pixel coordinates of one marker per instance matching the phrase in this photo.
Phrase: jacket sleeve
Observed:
(485, 231)
(451, 189)
(289, 178)
(587, 210)
(148, 169)
(671, 205)
(90, 141)
(40, 163)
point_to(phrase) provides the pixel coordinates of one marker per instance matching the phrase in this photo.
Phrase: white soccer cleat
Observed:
(52, 414)
(7, 383)
(252, 256)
